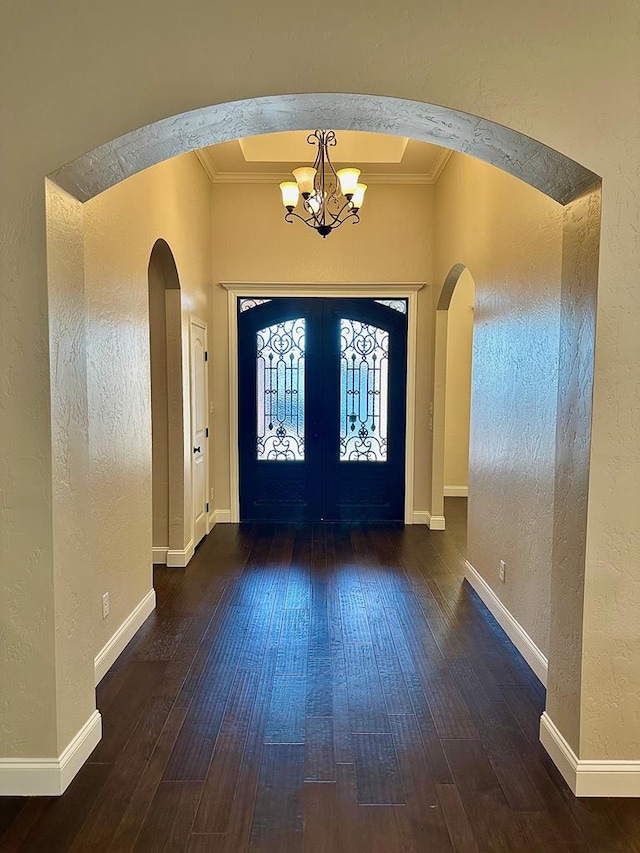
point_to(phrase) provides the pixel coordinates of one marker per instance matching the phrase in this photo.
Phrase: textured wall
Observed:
(69, 420)
(564, 73)
(251, 242)
(509, 236)
(121, 225)
(458, 392)
(571, 602)
(159, 404)
(167, 404)
(27, 619)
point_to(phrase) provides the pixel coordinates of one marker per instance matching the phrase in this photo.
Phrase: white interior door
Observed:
(199, 431)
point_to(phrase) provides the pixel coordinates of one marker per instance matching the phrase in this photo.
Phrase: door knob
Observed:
(196, 450)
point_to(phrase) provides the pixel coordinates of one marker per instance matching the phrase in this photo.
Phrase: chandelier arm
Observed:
(312, 222)
(353, 217)
(352, 213)
(313, 215)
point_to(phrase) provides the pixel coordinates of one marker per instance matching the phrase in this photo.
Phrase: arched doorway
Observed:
(570, 184)
(452, 392)
(167, 418)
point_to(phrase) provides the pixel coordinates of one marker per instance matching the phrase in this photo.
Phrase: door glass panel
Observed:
(280, 367)
(248, 304)
(364, 384)
(397, 304)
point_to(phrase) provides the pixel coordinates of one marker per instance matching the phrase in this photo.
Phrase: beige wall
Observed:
(61, 695)
(159, 405)
(252, 243)
(170, 201)
(458, 390)
(168, 401)
(564, 73)
(510, 238)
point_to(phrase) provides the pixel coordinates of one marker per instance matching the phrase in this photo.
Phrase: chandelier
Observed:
(329, 198)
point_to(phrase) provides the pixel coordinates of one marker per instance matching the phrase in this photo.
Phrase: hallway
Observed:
(320, 689)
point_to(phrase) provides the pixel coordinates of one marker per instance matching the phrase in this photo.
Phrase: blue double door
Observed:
(322, 401)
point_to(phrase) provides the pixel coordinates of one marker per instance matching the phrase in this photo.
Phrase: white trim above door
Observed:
(263, 290)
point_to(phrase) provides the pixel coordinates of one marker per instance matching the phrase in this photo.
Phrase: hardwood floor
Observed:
(320, 689)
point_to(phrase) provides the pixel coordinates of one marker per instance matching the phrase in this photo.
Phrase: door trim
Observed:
(188, 553)
(405, 290)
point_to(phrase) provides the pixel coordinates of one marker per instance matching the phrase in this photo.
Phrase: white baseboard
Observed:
(456, 491)
(107, 656)
(50, 777)
(218, 516)
(222, 516)
(514, 630)
(433, 522)
(159, 556)
(178, 559)
(436, 522)
(589, 778)
(423, 516)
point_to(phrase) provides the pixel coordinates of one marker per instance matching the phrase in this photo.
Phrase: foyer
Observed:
(320, 688)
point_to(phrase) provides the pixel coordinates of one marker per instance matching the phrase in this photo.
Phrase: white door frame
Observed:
(263, 290)
(196, 321)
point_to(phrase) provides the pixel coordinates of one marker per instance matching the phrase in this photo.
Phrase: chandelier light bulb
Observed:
(315, 203)
(358, 196)
(305, 176)
(348, 181)
(290, 194)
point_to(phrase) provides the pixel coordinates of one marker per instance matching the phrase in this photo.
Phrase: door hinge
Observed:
(206, 432)
(207, 506)
(206, 356)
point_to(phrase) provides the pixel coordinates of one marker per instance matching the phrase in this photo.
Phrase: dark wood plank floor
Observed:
(328, 688)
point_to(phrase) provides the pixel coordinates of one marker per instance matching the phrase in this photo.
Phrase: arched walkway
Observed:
(569, 183)
(543, 168)
(167, 402)
(439, 395)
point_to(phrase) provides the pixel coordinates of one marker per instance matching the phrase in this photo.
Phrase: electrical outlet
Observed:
(503, 570)
(210, 407)
(106, 605)
(211, 495)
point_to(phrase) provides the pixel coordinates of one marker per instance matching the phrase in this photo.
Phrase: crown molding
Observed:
(372, 178)
(206, 161)
(277, 177)
(441, 161)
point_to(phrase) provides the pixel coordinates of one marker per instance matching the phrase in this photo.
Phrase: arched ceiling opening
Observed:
(540, 166)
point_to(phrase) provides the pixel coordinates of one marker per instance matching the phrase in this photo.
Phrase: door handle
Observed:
(196, 450)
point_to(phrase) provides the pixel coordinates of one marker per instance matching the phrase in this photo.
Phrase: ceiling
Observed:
(271, 158)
